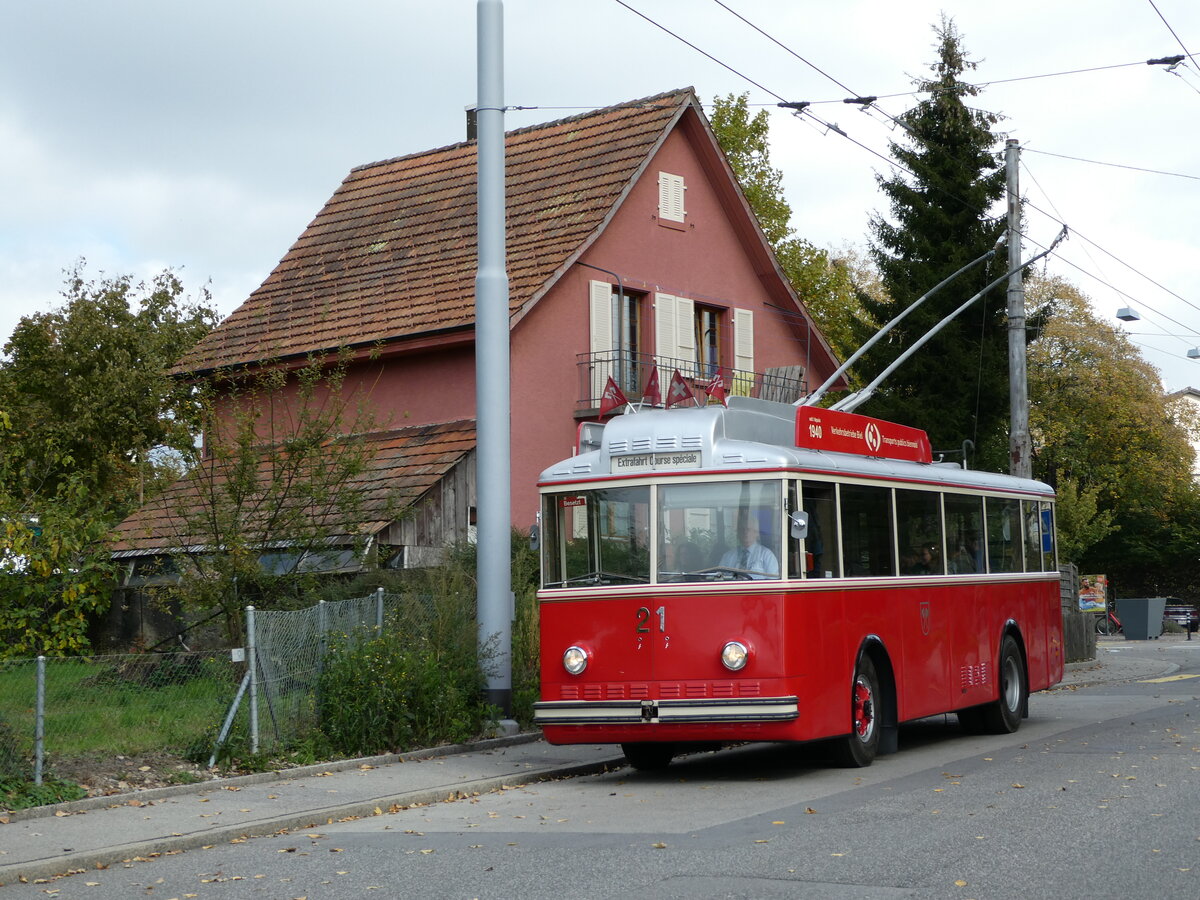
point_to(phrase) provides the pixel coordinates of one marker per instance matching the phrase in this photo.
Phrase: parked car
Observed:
(1183, 614)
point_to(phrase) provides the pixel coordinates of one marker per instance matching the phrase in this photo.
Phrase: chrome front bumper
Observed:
(632, 712)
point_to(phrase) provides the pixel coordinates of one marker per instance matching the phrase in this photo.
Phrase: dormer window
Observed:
(670, 198)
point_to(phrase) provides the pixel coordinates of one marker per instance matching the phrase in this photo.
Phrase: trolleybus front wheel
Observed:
(860, 747)
(649, 756)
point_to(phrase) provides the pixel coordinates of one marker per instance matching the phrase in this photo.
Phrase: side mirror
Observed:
(535, 537)
(798, 522)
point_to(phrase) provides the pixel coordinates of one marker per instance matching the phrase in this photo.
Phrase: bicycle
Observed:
(1108, 624)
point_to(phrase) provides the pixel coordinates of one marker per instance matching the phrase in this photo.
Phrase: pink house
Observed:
(630, 245)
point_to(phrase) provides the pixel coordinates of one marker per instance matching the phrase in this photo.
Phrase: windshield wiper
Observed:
(600, 577)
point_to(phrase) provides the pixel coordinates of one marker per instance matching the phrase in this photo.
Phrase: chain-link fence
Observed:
(60, 712)
(291, 647)
(55, 711)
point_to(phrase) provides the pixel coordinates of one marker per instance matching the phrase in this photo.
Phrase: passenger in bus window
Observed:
(751, 557)
(968, 559)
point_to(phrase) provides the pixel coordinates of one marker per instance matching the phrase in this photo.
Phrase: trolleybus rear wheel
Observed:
(648, 757)
(1004, 716)
(862, 744)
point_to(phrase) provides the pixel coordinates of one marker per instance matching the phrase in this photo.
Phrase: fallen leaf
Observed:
(960, 883)
(659, 846)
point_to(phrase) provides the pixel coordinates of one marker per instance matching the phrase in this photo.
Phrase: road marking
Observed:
(1168, 678)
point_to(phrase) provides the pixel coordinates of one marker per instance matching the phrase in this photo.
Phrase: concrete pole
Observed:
(493, 471)
(1019, 444)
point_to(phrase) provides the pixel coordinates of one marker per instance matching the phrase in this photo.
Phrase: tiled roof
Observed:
(403, 465)
(393, 252)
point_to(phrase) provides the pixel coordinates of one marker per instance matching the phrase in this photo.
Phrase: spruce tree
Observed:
(943, 204)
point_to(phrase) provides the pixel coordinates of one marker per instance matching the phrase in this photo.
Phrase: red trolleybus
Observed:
(765, 572)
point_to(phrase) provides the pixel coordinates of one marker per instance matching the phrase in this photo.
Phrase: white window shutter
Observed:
(664, 333)
(601, 318)
(685, 334)
(743, 352)
(671, 190)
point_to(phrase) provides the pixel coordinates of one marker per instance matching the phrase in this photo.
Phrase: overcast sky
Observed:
(204, 137)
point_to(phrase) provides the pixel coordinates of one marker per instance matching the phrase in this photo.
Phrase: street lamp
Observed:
(1128, 314)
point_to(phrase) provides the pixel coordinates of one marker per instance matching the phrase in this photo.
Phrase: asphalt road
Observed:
(1098, 795)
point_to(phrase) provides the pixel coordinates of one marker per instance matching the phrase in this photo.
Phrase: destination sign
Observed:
(632, 463)
(842, 432)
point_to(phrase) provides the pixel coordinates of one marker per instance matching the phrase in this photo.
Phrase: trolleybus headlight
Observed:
(575, 660)
(734, 656)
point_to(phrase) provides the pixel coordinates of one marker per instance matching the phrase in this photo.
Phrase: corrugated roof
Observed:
(393, 252)
(404, 464)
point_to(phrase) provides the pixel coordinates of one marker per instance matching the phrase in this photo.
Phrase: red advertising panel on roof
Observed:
(826, 429)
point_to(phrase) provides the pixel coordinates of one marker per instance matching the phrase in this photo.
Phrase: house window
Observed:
(670, 197)
(708, 341)
(616, 336)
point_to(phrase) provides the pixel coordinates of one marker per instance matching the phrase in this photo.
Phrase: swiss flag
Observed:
(612, 398)
(678, 391)
(716, 388)
(652, 396)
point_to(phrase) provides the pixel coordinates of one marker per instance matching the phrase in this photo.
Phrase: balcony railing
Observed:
(630, 371)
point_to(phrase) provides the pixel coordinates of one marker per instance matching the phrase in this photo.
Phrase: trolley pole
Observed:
(493, 470)
(1019, 444)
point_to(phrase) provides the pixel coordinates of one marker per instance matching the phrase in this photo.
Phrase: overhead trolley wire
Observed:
(1097, 162)
(802, 110)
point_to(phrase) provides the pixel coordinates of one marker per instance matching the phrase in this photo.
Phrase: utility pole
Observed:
(493, 471)
(1019, 444)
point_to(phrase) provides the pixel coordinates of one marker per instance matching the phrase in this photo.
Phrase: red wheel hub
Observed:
(864, 709)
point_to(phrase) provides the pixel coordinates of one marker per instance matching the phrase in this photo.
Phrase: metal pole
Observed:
(378, 611)
(1019, 443)
(252, 662)
(493, 472)
(39, 725)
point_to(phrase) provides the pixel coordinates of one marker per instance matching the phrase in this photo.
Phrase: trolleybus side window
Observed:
(1049, 556)
(919, 528)
(1004, 535)
(1039, 536)
(867, 541)
(598, 537)
(964, 534)
(820, 547)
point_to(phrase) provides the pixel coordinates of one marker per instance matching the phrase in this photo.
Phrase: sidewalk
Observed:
(52, 840)
(1112, 663)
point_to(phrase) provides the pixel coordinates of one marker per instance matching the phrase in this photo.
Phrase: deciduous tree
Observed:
(1109, 439)
(828, 289)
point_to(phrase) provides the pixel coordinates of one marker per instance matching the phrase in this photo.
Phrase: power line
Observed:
(698, 50)
(1096, 162)
(802, 109)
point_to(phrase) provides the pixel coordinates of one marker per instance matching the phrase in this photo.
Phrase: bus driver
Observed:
(751, 557)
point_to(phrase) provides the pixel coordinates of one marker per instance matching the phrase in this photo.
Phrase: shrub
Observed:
(416, 686)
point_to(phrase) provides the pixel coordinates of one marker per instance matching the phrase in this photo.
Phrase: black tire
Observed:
(1105, 626)
(861, 746)
(1004, 715)
(649, 757)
